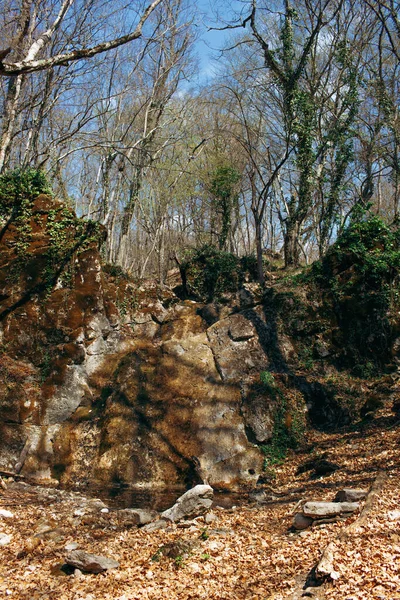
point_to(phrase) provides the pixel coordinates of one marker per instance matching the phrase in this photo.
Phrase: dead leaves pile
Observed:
(247, 552)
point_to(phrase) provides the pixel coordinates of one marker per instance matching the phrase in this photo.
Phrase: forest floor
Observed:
(247, 552)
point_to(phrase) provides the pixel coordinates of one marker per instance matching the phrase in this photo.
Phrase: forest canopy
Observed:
(295, 133)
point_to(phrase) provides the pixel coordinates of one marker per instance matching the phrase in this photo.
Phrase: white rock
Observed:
(393, 515)
(6, 514)
(210, 517)
(71, 546)
(4, 539)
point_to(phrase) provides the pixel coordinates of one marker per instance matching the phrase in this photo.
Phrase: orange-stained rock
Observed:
(108, 381)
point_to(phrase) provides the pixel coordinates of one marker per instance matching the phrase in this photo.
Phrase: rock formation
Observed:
(106, 382)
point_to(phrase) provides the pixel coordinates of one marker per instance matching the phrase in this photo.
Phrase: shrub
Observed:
(361, 271)
(209, 273)
(19, 186)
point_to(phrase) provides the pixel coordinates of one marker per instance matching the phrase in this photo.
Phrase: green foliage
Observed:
(268, 380)
(127, 300)
(179, 560)
(371, 249)
(222, 188)
(19, 187)
(210, 273)
(288, 424)
(361, 271)
(116, 271)
(248, 265)
(67, 234)
(204, 535)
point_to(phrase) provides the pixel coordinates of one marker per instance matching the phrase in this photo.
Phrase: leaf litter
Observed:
(248, 552)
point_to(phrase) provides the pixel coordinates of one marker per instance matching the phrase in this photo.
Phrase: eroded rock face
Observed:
(170, 420)
(105, 382)
(55, 329)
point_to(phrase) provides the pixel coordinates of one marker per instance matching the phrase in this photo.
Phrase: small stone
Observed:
(96, 504)
(4, 539)
(71, 546)
(210, 518)
(350, 495)
(78, 574)
(104, 510)
(6, 514)
(302, 522)
(156, 525)
(137, 516)
(91, 563)
(321, 510)
(394, 515)
(193, 503)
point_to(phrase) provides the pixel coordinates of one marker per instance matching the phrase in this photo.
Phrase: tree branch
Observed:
(30, 65)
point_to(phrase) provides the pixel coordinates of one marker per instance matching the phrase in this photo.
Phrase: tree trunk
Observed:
(260, 270)
(291, 244)
(9, 118)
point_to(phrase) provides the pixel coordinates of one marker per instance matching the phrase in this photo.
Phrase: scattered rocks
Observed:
(90, 563)
(193, 503)
(316, 513)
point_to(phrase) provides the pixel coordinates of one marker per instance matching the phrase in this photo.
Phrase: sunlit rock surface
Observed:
(105, 382)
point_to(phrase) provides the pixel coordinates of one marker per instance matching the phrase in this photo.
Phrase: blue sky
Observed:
(211, 41)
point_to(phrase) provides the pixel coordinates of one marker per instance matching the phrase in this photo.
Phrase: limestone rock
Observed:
(236, 352)
(193, 503)
(350, 495)
(326, 510)
(156, 525)
(210, 517)
(91, 563)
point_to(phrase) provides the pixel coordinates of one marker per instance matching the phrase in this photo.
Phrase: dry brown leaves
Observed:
(249, 554)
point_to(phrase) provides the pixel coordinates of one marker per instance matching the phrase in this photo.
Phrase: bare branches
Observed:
(30, 64)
